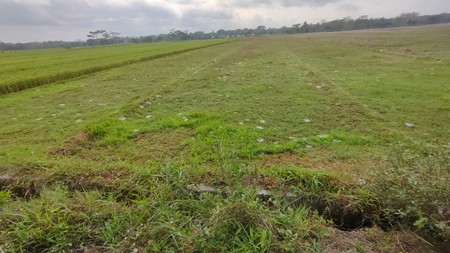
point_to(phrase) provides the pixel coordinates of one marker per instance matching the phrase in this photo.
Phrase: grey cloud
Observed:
(285, 3)
(289, 3)
(12, 13)
(66, 19)
(194, 14)
(79, 12)
(349, 7)
(196, 19)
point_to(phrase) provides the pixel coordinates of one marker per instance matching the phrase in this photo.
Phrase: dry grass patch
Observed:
(162, 145)
(146, 147)
(373, 240)
(323, 158)
(74, 145)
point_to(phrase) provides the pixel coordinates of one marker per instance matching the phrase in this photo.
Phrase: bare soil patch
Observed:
(373, 240)
(75, 145)
(313, 159)
(161, 145)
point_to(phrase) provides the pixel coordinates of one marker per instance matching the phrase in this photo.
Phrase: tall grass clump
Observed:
(111, 131)
(413, 189)
(156, 213)
(249, 225)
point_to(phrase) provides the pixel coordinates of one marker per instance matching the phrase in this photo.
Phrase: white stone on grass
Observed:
(148, 116)
(260, 127)
(122, 118)
(78, 121)
(306, 120)
(260, 140)
(409, 124)
(262, 121)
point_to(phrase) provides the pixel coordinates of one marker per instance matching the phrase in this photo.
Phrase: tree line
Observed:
(103, 37)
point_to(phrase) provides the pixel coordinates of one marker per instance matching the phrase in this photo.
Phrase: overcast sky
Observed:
(40, 20)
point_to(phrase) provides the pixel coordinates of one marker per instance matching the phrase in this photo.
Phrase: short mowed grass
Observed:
(269, 144)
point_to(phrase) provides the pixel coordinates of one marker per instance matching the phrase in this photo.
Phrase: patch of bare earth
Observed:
(161, 145)
(22, 180)
(75, 145)
(373, 240)
(105, 180)
(146, 147)
(319, 158)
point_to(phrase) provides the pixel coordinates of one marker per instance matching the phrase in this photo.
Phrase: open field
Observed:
(20, 70)
(346, 133)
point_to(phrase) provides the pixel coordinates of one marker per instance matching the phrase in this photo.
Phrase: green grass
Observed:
(108, 161)
(21, 70)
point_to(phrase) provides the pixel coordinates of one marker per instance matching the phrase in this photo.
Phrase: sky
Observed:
(69, 20)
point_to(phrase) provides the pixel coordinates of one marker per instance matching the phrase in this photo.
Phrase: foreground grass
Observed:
(125, 159)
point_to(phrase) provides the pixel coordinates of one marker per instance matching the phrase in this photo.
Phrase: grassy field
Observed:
(20, 70)
(334, 142)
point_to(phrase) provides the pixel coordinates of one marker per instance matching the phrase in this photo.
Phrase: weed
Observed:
(5, 196)
(110, 132)
(415, 191)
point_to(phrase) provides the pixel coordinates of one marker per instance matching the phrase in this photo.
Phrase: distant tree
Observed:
(304, 28)
(407, 19)
(96, 34)
(260, 30)
(177, 35)
(364, 17)
(221, 33)
(102, 37)
(296, 28)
